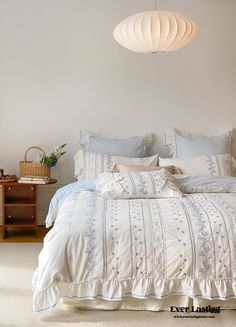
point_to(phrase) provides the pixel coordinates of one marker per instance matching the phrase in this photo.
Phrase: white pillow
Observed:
(88, 165)
(220, 165)
(184, 145)
(138, 185)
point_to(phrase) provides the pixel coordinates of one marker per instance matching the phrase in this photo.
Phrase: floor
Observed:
(17, 263)
(23, 236)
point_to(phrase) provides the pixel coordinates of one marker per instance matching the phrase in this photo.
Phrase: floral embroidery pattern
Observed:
(113, 238)
(159, 252)
(212, 168)
(90, 233)
(141, 184)
(203, 235)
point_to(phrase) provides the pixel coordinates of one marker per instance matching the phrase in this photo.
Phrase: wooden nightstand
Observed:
(20, 206)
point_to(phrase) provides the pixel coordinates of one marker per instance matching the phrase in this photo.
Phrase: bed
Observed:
(142, 252)
(116, 252)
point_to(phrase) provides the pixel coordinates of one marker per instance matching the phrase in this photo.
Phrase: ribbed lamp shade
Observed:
(155, 31)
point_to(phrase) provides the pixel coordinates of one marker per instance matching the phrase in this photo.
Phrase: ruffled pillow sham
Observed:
(88, 165)
(129, 146)
(220, 165)
(138, 185)
(184, 145)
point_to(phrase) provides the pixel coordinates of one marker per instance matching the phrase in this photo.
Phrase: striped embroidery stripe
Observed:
(144, 235)
(210, 227)
(163, 237)
(131, 242)
(225, 226)
(218, 166)
(151, 241)
(132, 183)
(193, 248)
(153, 183)
(104, 238)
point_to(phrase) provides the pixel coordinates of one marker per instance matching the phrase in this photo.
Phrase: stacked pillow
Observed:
(88, 165)
(198, 154)
(100, 154)
(191, 154)
(121, 168)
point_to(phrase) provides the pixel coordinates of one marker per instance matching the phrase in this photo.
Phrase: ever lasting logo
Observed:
(192, 309)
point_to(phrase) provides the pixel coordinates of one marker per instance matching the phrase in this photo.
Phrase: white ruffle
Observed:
(79, 164)
(51, 217)
(115, 290)
(84, 139)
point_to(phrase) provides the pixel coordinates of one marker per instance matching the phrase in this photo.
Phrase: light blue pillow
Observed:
(196, 145)
(183, 145)
(132, 146)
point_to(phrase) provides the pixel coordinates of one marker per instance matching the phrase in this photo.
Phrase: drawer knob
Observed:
(9, 216)
(32, 216)
(9, 188)
(32, 188)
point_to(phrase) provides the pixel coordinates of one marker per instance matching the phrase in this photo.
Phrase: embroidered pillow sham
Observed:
(219, 165)
(88, 165)
(131, 146)
(138, 185)
(184, 145)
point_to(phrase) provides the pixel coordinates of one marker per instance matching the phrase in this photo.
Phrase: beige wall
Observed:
(61, 71)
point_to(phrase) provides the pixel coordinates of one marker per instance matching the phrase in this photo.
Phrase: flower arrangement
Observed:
(51, 159)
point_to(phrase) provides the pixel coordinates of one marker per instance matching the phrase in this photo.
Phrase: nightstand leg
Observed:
(36, 232)
(4, 232)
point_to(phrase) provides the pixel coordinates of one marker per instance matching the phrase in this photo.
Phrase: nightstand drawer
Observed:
(20, 215)
(20, 194)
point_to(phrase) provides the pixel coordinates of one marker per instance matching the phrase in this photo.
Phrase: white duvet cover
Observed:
(140, 248)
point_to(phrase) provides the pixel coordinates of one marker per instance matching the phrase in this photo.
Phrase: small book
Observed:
(34, 178)
(33, 181)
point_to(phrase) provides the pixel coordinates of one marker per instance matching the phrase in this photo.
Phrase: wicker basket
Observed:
(34, 168)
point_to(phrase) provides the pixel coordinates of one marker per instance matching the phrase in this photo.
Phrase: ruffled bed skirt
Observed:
(222, 289)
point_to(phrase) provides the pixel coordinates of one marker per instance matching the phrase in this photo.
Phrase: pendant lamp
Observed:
(155, 31)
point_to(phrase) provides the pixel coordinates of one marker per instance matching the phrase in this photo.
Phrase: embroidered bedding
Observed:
(143, 248)
(138, 185)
